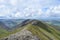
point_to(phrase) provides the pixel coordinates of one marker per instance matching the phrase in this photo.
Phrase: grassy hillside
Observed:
(44, 34)
(4, 32)
(54, 23)
(42, 30)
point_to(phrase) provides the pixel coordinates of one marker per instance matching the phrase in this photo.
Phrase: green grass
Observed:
(5, 33)
(42, 30)
(42, 33)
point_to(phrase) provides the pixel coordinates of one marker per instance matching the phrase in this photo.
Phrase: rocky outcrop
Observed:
(23, 35)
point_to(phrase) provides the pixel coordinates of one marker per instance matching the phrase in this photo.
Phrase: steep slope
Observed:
(43, 34)
(37, 29)
(7, 26)
(3, 32)
(54, 23)
(44, 31)
(6, 30)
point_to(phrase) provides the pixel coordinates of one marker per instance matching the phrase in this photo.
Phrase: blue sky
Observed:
(29, 9)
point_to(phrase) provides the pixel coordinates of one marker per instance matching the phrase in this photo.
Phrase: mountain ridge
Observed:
(40, 29)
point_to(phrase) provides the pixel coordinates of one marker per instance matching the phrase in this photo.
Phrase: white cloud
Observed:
(27, 15)
(39, 12)
(52, 11)
(2, 6)
(1, 15)
(28, 8)
(1, 0)
(56, 9)
(13, 2)
(47, 14)
(18, 14)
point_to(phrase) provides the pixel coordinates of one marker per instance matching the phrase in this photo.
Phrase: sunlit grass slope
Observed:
(5, 33)
(43, 34)
(38, 28)
(43, 31)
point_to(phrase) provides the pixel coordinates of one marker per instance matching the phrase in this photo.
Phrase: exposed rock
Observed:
(23, 35)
